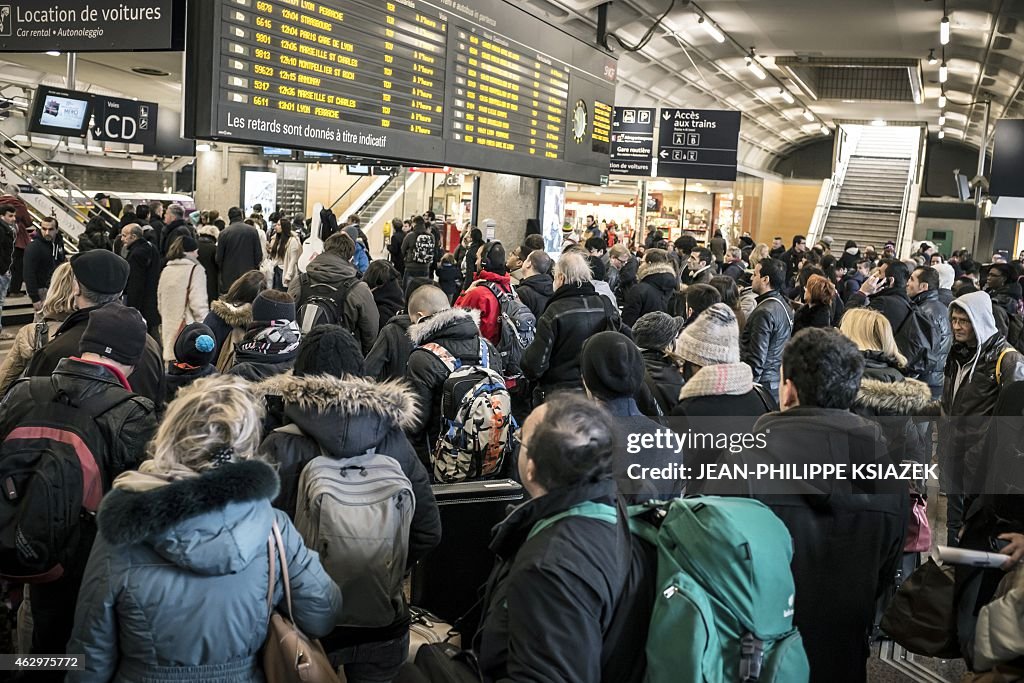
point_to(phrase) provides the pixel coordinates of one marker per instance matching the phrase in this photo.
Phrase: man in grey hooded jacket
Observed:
(980, 362)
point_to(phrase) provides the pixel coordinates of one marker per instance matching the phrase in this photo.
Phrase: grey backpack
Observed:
(356, 512)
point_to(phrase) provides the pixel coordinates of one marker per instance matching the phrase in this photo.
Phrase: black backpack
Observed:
(322, 304)
(51, 481)
(518, 328)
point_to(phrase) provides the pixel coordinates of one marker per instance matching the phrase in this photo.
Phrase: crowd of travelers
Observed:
(194, 387)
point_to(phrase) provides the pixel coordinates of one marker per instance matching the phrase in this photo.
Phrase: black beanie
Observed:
(329, 350)
(100, 271)
(195, 345)
(265, 309)
(188, 244)
(116, 332)
(612, 365)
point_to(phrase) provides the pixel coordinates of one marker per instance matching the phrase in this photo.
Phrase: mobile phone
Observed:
(998, 544)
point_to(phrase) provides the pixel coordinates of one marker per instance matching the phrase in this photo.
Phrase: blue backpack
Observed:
(361, 260)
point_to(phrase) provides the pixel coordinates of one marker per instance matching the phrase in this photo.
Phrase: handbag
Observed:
(447, 663)
(922, 616)
(919, 531)
(289, 656)
(999, 636)
(188, 296)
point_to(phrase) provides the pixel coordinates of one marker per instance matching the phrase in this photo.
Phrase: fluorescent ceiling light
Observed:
(943, 73)
(786, 95)
(808, 115)
(203, 147)
(756, 69)
(825, 130)
(942, 120)
(53, 53)
(942, 134)
(711, 29)
(944, 31)
(942, 101)
(879, 122)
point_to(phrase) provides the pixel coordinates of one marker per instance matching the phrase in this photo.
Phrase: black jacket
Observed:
(208, 260)
(344, 418)
(734, 270)
(7, 235)
(457, 330)
(792, 260)
(940, 333)
(663, 379)
(627, 278)
(813, 315)
(764, 335)
(887, 396)
(1007, 297)
(178, 228)
(390, 353)
(535, 291)
(573, 315)
(177, 378)
(847, 535)
(147, 380)
(657, 283)
(238, 251)
(41, 259)
(395, 250)
(159, 228)
(143, 280)
(390, 299)
(895, 305)
(412, 267)
(551, 598)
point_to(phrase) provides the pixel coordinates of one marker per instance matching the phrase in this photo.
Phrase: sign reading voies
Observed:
(93, 26)
(698, 143)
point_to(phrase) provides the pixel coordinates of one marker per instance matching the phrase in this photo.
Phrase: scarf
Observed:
(275, 338)
(729, 379)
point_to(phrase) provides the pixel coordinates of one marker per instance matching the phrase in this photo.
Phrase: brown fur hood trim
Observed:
(655, 268)
(236, 315)
(347, 396)
(909, 397)
(440, 320)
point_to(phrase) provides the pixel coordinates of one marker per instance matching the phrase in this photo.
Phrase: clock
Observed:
(579, 121)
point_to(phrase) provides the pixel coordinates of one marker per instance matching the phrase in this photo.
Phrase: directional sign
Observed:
(118, 120)
(698, 143)
(633, 141)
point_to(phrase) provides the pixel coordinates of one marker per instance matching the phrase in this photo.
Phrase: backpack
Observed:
(723, 604)
(361, 260)
(477, 426)
(321, 303)
(356, 513)
(518, 328)
(423, 249)
(51, 482)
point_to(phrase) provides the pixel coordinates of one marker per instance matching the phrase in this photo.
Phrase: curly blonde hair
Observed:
(60, 297)
(214, 415)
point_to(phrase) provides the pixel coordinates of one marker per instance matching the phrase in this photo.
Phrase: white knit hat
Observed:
(946, 275)
(712, 339)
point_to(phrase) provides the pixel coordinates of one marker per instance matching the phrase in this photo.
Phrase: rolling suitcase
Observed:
(449, 581)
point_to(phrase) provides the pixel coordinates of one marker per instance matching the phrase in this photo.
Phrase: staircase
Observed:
(875, 190)
(380, 199)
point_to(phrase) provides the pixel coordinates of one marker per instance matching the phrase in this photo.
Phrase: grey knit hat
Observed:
(656, 331)
(712, 339)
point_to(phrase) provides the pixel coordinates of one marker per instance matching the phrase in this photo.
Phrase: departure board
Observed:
(489, 87)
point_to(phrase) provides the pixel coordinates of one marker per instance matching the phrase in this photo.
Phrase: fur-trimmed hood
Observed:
(346, 416)
(236, 315)
(647, 269)
(212, 524)
(909, 397)
(459, 319)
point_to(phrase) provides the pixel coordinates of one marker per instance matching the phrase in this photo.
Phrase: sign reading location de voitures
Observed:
(92, 26)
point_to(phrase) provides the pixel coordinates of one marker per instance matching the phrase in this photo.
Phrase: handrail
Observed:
(344, 194)
(68, 185)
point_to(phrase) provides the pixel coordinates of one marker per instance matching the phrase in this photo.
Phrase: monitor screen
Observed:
(963, 188)
(60, 112)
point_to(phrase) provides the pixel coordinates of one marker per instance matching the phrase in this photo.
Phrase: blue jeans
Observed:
(5, 281)
(373, 662)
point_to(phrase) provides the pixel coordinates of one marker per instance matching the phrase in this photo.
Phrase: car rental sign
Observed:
(93, 26)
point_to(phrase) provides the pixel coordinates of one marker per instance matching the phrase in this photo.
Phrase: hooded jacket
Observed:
(361, 316)
(663, 379)
(627, 278)
(764, 336)
(179, 227)
(937, 315)
(228, 323)
(456, 330)
(971, 387)
(344, 418)
(551, 597)
(535, 291)
(573, 315)
(390, 299)
(176, 587)
(847, 535)
(42, 258)
(658, 281)
(887, 396)
(480, 297)
(390, 353)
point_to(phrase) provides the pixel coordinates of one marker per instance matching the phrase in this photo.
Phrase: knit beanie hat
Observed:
(946, 275)
(712, 339)
(116, 332)
(612, 365)
(265, 308)
(189, 244)
(329, 350)
(657, 331)
(195, 345)
(100, 271)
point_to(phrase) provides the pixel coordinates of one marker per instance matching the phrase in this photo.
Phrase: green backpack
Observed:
(723, 605)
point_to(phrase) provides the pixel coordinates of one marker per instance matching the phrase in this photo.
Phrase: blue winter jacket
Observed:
(176, 585)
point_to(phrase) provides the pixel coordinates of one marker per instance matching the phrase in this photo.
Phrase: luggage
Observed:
(999, 635)
(321, 303)
(450, 580)
(427, 629)
(446, 663)
(922, 616)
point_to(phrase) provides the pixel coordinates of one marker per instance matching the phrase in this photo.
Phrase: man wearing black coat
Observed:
(178, 227)
(923, 290)
(623, 260)
(658, 282)
(536, 286)
(44, 253)
(792, 257)
(238, 249)
(144, 278)
(208, 260)
(768, 326)
(156, 221)
(551, 610)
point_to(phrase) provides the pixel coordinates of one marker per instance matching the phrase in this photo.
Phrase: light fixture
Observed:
(203, 147)
(942, 101)
(944, 31)
(787, 96)
(711, 29)
(943, 73)
(754, 67)
(808, 115)
(942, 133)
(931, 57)
(942, 120)
(53, 53)
(879, 122)
(825, 130)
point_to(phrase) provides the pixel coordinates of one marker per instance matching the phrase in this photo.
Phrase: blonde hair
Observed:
(60, 297)
(871, 331)
(213, 414)
(574, 268)
(758, 253)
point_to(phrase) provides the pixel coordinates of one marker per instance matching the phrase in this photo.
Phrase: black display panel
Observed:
(56, 111)
(1008, 159)
(439, 82)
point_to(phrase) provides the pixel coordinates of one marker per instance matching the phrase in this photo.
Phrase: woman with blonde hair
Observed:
(58, 305)
(176, 587)
(872, 333)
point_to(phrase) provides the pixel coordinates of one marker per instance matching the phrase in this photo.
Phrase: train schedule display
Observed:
(486, 86)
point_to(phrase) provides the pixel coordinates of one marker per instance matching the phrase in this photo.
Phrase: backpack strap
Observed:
(443, 355)
(485, 356)
(589, 509)
(999, 366)
(785, 308)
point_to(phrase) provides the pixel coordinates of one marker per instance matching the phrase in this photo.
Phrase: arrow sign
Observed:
(664, 154)
(667, 116)
(698, 143)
